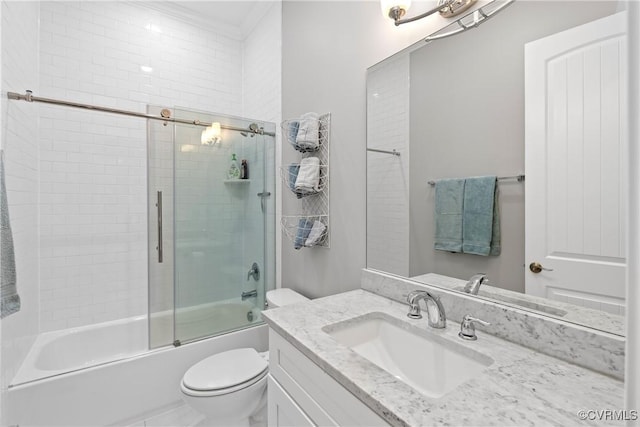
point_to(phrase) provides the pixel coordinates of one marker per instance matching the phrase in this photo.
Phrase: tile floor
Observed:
(181, 416)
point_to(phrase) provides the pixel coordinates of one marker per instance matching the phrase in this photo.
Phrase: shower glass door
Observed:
(218, 238)
(219, 229)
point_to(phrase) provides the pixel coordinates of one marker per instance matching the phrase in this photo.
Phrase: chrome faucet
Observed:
(254, 272)
(473, 285)
(437, 318)
(468, 327)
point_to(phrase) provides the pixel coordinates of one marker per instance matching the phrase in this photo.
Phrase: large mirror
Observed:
(536, 92)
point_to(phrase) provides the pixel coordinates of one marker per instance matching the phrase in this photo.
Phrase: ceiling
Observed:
(229, 12)
(238, 16)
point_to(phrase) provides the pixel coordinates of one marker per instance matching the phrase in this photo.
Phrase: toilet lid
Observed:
(224, 370)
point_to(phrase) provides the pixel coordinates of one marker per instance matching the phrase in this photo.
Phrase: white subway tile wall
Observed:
(20, 145)
(262, 100)
(93, 188)
(387, 175)
(212, 216)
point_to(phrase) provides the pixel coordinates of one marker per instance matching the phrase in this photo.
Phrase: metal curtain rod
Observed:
(393, 153)
(30, 98)
(519, 178)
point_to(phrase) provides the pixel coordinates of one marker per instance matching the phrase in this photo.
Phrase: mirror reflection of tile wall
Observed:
(387, 175)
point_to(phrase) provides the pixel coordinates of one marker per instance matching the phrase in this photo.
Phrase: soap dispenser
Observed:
(234, 170)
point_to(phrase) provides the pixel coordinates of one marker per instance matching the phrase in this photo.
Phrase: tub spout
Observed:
(248, 294)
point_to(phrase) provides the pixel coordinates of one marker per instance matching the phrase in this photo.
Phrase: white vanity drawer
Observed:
(321, 397)
(283, 410)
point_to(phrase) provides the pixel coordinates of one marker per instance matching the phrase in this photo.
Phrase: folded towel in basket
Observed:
(294, 168)
(292, 133)
(316, 236)
(308, 135)
(308, 179)
(304, 228)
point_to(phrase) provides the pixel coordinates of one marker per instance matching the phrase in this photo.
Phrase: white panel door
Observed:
(575, 151)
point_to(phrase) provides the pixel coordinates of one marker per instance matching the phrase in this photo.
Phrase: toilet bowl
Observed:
(230, 388)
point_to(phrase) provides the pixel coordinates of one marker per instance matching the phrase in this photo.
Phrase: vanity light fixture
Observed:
(211, 134)
(397, 9)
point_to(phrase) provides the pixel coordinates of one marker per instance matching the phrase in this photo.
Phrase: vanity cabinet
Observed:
(302, 394)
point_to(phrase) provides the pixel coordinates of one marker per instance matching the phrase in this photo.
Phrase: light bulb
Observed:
(211, 134)
(215, 130)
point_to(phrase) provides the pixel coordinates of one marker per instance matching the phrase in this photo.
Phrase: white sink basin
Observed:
(427, 362)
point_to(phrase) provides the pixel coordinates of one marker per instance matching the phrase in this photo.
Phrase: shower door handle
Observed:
(263, 196)
(159, 206)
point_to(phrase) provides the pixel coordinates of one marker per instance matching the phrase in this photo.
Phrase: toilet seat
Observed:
(225, 373)
(212, 393)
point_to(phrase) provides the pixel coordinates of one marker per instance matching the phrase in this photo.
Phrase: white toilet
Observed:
(230, 388)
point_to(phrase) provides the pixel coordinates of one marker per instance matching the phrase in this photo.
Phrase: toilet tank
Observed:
(284, 296)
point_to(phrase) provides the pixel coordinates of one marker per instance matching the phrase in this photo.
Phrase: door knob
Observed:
(536, 267)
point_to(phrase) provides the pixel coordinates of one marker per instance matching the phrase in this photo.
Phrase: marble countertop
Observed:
(521, 387)
(588, 317)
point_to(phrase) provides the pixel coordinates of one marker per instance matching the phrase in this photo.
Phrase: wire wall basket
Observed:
(306, 231)
(289, 134)
(314, 198)
(289, 176)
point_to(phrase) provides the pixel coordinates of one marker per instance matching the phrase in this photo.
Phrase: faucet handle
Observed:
(413, 294)
(414, 308)
(468, 327)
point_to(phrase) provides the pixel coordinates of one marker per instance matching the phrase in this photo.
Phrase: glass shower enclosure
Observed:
(211, 237)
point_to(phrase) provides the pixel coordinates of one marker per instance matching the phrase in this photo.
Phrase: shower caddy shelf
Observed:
(313, 206)
(236, 181)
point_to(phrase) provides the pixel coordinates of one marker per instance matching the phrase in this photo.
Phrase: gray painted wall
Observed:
(467, 119)
(324, 72)
(326, 50)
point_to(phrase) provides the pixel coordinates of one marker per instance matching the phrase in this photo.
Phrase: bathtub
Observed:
(104, 375)
(57, 352)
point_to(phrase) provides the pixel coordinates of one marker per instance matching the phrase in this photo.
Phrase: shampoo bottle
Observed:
(244, 170)
(234, 170)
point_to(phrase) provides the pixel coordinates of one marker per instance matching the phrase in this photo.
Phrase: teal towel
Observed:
(496, 247)
(480, 213)
(448, 212)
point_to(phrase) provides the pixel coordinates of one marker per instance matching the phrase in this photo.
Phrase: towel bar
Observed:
(519, 178)
(394, 152)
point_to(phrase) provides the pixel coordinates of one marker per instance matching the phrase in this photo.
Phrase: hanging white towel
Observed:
(308, 136)
(316, 235)
(308, 179)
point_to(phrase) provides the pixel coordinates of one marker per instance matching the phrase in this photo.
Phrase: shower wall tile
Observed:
(19, 124)
(262, 62)
(93, 193)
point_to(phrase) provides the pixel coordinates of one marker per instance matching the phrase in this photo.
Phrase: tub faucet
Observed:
(437, 319)
(248, 294)
(473, 285)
